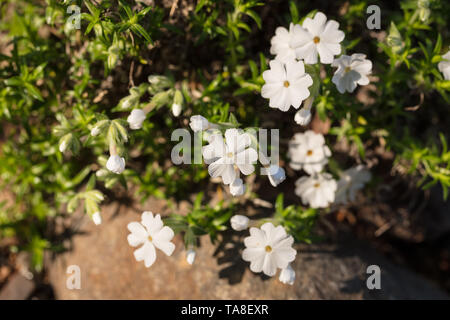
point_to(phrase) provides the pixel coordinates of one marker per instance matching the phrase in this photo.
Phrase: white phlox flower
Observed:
(317, 37)
(351, 180)
(231, 156)
(351, 71)
(213, 150)
(444, 66)
(268, 248)
(286, 85)
(317, 191)
(281, 43)
(308, 151)
(150, 233)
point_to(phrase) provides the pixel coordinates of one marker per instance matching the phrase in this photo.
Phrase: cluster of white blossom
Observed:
(309, 152)
(286, 82)
(230, 154)
(229, 151)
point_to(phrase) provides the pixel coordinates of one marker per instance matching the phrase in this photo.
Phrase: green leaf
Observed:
(72, 204)
(294, 12)
(279, 203)
(198, 201)
(189, 238)
(222, 219)
(127, 9)
(33, 91)
(438, 46)
(138, 29)
(255, 17)
(92, 9)
(91, 182)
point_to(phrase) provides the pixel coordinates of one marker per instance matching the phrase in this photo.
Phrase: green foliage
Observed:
(201, 220)
(297, 221)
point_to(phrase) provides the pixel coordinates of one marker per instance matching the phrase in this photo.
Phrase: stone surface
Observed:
(334, 270)
(17, 288)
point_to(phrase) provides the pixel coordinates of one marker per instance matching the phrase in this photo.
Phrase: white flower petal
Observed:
(257, 238)
(137, 229)
(316, 25)
(257, 262)
(269, 266)
(147, 253)
(152, 223)
(250, 254)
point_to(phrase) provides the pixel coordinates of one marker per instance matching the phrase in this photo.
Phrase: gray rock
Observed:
(335, 270)
(17, 288)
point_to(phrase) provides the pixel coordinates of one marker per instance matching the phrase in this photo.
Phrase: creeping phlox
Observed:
(351, 180)
(268, 248)
(149, 234)
(309, 152)
(230, 153)
(292, 80)
(287, 83)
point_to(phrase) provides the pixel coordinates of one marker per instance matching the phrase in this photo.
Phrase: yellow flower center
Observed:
(230, 154)
(150, 238)
(316, 40)
(309, 153)
(286, 83)
(347, 69)
(268, 249)
(316, 185)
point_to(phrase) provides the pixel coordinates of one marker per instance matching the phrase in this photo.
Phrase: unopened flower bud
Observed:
(303, 116)
(276, 175)
(287, 275)
(239, 222)
(136, 118)
(237, 187)
(190, 256)
(97, 218)
(199, 123)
